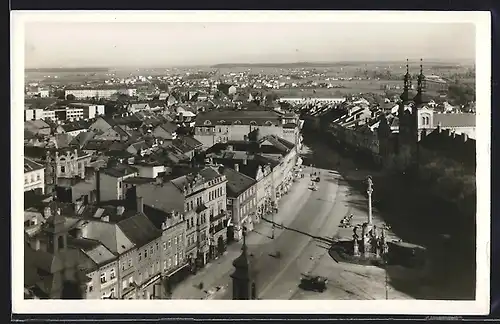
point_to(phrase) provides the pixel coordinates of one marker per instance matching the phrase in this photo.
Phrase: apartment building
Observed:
(102, 92)
(201, 196)
(70, 112)
(34, 176)
(221, 126)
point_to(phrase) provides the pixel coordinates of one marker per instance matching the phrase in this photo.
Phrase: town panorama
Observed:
(343, 180)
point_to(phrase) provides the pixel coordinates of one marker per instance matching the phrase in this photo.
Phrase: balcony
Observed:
(217, 228)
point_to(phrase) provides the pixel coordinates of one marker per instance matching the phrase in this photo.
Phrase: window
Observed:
(169, 243)
(164, 246)
(90, 287)
(63, 169)
(175, 240)
(103, 277)
(152, 251)
(180, 239)
(157, 266)
(112, 292)
(32, 178)
(123, 265)
(129, 262)
(175, 260)
(130, 280)
(164, 265)
(140, 278)
(152, 269)
(145, 253)
(119, 184)
(140, 256)
(180, 256)
(169, 262)
(124, 284)
(112, 274)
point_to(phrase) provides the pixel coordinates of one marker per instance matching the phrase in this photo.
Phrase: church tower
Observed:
(55, 230)
(244, 287)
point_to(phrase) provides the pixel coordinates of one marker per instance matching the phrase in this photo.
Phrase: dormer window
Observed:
(237, 122)
(269, 123)
(253, 123)
(222, 121)
(207, 122)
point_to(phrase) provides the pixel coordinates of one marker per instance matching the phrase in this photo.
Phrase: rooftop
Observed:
(30, 165)
(237, 182)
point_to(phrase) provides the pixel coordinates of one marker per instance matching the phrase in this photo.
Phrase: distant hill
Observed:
(52, 70)
(317, 64)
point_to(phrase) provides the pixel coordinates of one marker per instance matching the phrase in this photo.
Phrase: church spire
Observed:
(407, 84)
(420, 85)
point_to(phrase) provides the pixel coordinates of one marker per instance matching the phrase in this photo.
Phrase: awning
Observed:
(176, 270)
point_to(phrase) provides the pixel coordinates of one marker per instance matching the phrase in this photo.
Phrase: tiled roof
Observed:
(30, 165)
(245, 117)
(119, 170)
(186, 144)
(76, 125)
(139, 229)
(36, 124)
(237, 182)
(169, 127)
(82, 138)
(97, 145)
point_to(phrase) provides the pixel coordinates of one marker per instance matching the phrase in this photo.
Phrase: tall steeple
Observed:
(407, 84)
(420, 86)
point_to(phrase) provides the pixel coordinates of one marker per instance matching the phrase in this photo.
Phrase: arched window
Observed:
(207, 122)
(269, 123)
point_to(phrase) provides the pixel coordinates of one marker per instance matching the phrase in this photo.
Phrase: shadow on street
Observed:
(415, 216)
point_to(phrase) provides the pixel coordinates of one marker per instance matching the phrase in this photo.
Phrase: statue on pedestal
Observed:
(355, 238)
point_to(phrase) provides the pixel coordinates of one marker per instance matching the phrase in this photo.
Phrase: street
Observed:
(311, 220)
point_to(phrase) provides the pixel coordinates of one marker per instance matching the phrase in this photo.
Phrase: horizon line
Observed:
(431, 60)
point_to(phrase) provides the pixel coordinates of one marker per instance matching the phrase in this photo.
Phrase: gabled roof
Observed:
(139, 229)
(30, 165)
(82, 138)
(186, 143)
(36, 124)
(237, 182)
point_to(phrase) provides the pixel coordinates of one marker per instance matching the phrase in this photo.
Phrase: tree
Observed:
(70, 97)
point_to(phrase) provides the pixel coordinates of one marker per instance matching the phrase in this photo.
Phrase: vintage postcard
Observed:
(214, 161)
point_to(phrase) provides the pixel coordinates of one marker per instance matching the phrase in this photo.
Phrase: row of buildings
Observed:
(125, 210)
(393, 134)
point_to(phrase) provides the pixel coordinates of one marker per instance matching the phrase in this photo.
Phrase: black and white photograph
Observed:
(277, 161)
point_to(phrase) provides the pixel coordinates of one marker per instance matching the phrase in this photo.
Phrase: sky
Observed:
(164, 44)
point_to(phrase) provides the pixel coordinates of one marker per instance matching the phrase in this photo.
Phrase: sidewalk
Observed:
(222, 267)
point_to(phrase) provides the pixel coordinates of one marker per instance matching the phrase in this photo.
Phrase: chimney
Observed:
(439, 127)
(120, 210)
(244, 161)
(237, 167)
(140, 205)
(98, 185)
